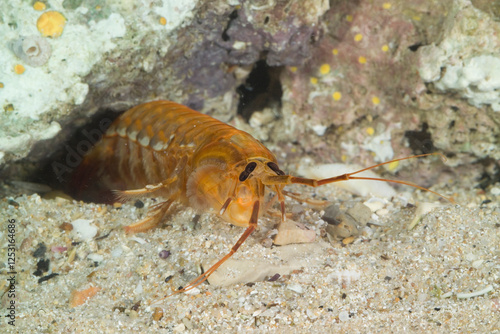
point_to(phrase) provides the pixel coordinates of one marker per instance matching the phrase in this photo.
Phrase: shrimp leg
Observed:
(203, 277)
(152, 219)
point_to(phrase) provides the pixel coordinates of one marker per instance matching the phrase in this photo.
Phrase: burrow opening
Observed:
(261, 89)
(420, 141)
(56, 170)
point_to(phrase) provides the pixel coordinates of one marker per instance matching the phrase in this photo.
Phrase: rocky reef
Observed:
(362, 81)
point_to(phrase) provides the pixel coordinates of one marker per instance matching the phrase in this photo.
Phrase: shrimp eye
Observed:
(275, 168)
(248, 170)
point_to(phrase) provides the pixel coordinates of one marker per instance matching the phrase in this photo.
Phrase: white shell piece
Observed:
(84, 229)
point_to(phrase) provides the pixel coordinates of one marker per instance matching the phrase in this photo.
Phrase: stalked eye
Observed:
(248, 170)
(275, 168)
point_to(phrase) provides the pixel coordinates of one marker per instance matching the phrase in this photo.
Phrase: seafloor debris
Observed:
(78, 297)
(346, 225)
(290, 232)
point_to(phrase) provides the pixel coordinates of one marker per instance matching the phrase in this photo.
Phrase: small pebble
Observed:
(422, 297)
(139, 240)
(116, 252)
(193, 291)
(58, 249)
(344, 316)
(331, 214)
(187, 323)
(164, 254)
(120, 309)
(340, 225)
(84, 229)
(295, 287)
(179, 328)
(41, 267)
(71, 255)
(375, 204)
(66, 227)
(133, 314)
(495, 191)
(360, 212)
(95, 257)
(477, 264)
(46, 278)
(157, 314)
(40, 250)
(261, 118)
(78, 297)
(447, 295)
(346, 228)
(382, 212)
(274, 278)
(267, 242)
(470, 257)
(348, 240)
(13, 203)
(290, 232)
(422, 209)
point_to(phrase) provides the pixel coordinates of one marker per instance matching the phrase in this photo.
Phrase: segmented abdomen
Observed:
(156, 141)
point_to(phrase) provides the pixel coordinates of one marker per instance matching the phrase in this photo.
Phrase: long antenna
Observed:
(348, 176)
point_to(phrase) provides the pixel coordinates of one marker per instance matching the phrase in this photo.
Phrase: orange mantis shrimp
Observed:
(164, 149)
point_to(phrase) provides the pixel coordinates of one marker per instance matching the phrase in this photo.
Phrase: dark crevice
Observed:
(489, 178)
(261, 89)
(233, 16)
(415, 46)
(57, 168)
(420, 141)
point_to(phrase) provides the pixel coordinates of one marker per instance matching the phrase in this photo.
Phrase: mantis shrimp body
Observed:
(167, 150)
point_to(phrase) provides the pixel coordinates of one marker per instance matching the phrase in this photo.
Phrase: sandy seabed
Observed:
(443, 276)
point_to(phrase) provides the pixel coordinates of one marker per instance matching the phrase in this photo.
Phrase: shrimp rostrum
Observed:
(164, 149)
